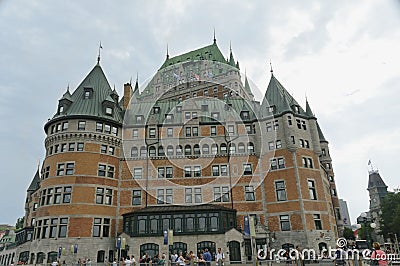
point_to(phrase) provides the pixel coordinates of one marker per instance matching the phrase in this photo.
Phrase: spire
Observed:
(167, 52)
(231, 59)
(98, 57)
(320, 134)
(215, 39)
(136, 89)
(35, 182)
(272, 71)
(308, 109)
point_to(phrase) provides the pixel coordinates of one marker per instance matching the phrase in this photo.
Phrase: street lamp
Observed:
(366, 222)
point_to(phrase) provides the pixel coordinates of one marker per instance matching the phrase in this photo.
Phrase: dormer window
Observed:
(88, 93)
(156, 110)
(60, 109)
(139, 119)
(109, 111)
(215, 115)
(169, 117)
(271, 109)
(204, 107)
(179, 108)
(296, 109)
(245, 114)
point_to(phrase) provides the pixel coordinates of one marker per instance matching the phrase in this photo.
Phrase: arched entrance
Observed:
(178, 247)
(201, 246)
(234, 252)
(149, 248)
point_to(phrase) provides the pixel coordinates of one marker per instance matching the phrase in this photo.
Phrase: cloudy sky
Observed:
(344, 55)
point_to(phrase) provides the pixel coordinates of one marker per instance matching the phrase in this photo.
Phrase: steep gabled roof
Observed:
(35, 183)
(101, 91)
(210, 52)
(277, 96)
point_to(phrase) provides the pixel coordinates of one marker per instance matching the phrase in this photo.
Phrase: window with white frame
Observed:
(65, 168)
(104, 196)
(312, 190)
(164, 196)
(284, 222)
(280, 190)
(101, 227)
(221, 194)
(249, 193)
(193, 195)
(137, 197)
(137, 173)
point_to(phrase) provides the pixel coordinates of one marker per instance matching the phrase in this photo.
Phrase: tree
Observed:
(20, 223)
(348, 233)
(390, 216)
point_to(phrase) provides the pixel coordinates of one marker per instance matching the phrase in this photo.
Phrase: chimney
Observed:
(128, 92)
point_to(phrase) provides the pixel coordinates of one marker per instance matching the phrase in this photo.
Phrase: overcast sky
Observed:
(344, 55)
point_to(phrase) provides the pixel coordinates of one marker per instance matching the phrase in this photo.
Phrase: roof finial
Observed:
(98, 57)
(370, 165)
(137, 77)
(38, 165)
(215, 39)
(167, 52)
(272, 71)
(230, 46)
(68, 87)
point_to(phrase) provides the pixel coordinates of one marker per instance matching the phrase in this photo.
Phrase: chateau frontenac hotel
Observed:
(189, 161)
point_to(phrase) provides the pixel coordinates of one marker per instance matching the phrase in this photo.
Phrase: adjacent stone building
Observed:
(192, 153)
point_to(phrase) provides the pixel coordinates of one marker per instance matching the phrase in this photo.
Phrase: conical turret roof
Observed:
(35, 183)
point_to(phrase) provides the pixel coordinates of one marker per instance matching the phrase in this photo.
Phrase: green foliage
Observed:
(390, 216)
(348, 234)
(20, 223)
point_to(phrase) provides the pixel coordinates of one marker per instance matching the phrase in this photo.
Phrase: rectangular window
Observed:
(293, 140)
(298, 122)
(81, 125)
(103, 148)
(187, 115)
(161, 172)
(169, 132)
(188, 171)
(285, 222)
(268, 126)
(277, 163)
(280, 190)
(111, 150)
(65, 126)
(247, 169)
(99, 127)
(307, 144)
(62, 228)
(65, 169)
(312, 190)
(188, 195)
(195, 131)
(278, 144)
(197, 171)
(276, 125)
(215, 170)
(307, 162)
(289, 119)
(137, 197)
(152, 133)
(80, 146)
(231, 130)
(101, 227)
(63, 147)
(213, 131)
(101, 171)
(71, 147)
(248, 129)
(67, 195)
(107, 128)
(164, 196)
(137, 173)
(317, 221)
(221, 194)
(249, 193)
(135, 133)
(271, 145)
(301, 142)
(168, 172)
(188, 131)
(139, 119)
(303, 125)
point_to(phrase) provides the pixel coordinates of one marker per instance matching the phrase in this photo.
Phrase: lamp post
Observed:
(366, 222)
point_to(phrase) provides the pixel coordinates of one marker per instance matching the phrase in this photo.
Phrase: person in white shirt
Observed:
(127, 261)
(54, 263)
(220, 257)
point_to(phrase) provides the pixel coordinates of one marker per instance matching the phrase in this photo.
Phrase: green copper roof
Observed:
(100, 91)
(320, 134)
(35, 183)
(210, 52)
(278, 97)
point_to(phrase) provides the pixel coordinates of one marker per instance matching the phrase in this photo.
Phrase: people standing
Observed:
(207, 257)
(220, 257)
(379, 255)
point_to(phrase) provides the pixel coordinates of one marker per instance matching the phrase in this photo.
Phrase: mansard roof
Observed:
(101, 95)
(210, 52)
(278, 97)
(375, 180)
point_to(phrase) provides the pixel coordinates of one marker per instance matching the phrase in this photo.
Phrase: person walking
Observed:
(207, 257)
(378, 256)
(220, 257)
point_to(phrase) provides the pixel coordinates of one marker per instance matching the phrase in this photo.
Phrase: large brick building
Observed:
(193, 152)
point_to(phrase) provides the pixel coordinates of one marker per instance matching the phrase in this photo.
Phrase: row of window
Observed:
(67, 168)
(100, 127)
(64, 147)
(56, 195)
(192, 171)
(51, 228)
(188, 151)
(284, 221)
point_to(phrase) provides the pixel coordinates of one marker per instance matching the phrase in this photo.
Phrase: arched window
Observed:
(206, 245)
(152, 151)
(150, 248)
(214, 149)
(178, 150)
(206, 149)
(170, 150)
(223, 148)
(134, 152)
(188, 150)
(161, 151)
(232, 148)
(40, 257)
(143, 151)
(178, 247)
(196, 149)
(100, 255)
(250, 147)
(241, 148)
(52, 256)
